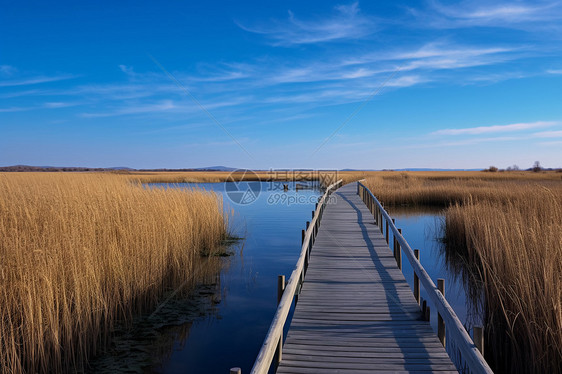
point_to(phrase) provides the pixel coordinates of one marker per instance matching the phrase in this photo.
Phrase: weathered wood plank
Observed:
(356, 313)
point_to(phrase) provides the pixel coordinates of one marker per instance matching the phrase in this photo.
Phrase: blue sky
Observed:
(281, 84)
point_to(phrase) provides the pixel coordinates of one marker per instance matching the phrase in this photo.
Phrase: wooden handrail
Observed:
(267, 351)
(455, 328)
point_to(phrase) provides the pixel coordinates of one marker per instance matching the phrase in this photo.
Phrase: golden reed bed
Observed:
(507, 228)
(82, 251)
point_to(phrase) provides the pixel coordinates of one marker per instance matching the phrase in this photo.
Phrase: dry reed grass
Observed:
(223, 176)
(82, 251)
(517, 247)
(509, 230)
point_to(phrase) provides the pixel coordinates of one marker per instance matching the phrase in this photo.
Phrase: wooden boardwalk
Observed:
(356, 312)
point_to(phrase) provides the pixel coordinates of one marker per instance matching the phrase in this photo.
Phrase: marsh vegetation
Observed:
(84, 252)
(507, 231)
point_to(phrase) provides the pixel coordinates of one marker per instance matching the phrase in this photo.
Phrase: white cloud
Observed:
(498, 14)
(407, 81)
(35, 80)
(13, 109)
(497, 128)
(56, 105)
(162, 106)
(127, 69)
(7, 70)
(554, 71)
(548, 134)
(346, 23)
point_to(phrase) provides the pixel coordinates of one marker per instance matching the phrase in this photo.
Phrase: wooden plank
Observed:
(356, 313)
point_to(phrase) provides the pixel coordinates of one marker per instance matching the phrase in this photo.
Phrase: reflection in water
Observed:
(149, 338)
(271, 226)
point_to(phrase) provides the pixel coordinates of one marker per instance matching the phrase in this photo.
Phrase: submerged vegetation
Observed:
(508, 230)
(83, 252)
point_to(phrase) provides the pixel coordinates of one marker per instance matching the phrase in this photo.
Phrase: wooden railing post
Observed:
(280, 290)
(417, 279)
(478, 332)
(379, 219)
(440, 322)
(394, 241)
(399, 253)
(280, 287)
(386, 226)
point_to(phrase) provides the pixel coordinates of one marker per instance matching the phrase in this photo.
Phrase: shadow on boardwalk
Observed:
(356, 312)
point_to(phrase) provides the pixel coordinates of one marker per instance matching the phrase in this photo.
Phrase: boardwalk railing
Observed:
(273, 342)
(459, 336)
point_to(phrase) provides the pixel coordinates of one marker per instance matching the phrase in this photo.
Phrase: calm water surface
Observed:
(271, 226)
(233, 335)
(422, 230)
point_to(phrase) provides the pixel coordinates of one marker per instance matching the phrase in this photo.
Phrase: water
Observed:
(422, 230)
(233, 334)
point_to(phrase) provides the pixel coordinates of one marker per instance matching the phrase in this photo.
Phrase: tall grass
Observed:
(517, 245)
(82, 251)
(224, 176)
(509, 231)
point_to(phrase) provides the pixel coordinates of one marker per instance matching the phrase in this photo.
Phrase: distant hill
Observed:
(218, 168)
(29, 168)
(23, 168)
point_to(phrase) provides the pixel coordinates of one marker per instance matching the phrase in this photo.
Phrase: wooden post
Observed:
(427, 313)
(440, 322)
(379, 219)
(307, 224)
(399, 253)
(386, 225)
(280, 290)
(235, 371)
(417, 279)
(394, 241)
(280, 287)
(479, 338)
(302, 238)
(424, 307)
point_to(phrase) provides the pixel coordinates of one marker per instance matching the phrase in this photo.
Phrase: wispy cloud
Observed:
(346, 23)
(14, 109)
(554, 71)
(7, 70)
(497, 128)
(548, 134)
(58, 104)
(35, 80)
(163, 106)
(494, 14)
(127, 69)
(49, 105)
